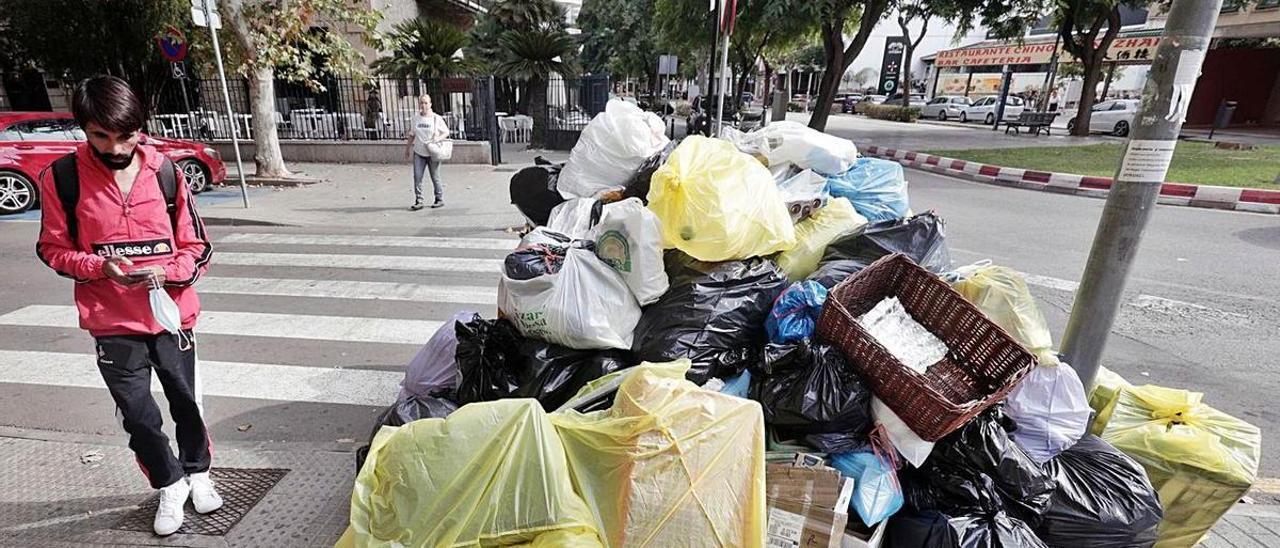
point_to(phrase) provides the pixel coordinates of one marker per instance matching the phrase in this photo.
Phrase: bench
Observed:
(1033, 121)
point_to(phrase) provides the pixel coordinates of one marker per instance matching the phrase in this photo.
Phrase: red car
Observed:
(30, 141)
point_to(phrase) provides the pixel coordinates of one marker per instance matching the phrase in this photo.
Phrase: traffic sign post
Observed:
(204, 13)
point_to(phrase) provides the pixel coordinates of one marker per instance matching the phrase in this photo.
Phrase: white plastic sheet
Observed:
(795, 143)
(612, 147)
(585, 305)
(894, 328)
(1051, 410)
(909, 444)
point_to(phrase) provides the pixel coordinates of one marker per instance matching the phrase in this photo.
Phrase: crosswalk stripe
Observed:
(346, 289)
(256, 324)
(367, 262)
(370, 241)
(223, 379)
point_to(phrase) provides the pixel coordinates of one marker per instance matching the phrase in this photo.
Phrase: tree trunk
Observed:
(538, 111)
(1106, 85)
(1088, 96)
(262, 95)
(768, 81)
(905, 84)
(266, 140)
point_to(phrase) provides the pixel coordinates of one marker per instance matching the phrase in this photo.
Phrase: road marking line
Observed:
(1051, 283)
(370, 241)
(366, 262)
(344, 289)
(1173, 306)
(256, 324)
(222, 379)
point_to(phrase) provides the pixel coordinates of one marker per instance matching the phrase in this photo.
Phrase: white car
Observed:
(985, 109)
(945, 106)
(1114, 117)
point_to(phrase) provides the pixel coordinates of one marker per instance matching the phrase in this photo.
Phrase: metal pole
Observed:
(226, 97)
(186, 103)
(1050, 75)
(1173, 74)
(724, 69)
(1006, 81)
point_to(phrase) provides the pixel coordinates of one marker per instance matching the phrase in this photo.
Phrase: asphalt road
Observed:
(314, 353)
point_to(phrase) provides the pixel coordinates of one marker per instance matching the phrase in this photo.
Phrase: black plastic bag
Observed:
(406, 409)
(984, 446)
(920, 238)
(922, 529)
(533, 191)
(1103, 499)
(495, 362)
(638, 185)
(986, 527)
(713, 314)
(809, 388)
(838, 442)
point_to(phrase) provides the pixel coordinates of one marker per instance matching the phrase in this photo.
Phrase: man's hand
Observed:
(157, 274)
(114, 269)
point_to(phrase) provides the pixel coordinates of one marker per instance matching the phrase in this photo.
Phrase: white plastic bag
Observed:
(793, 142)
(612, 147)
(909, 444)
(804, 193)
(585, 305)
(628, 238)
(1051, 410)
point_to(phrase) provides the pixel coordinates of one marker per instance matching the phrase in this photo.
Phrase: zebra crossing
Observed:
(367, 301)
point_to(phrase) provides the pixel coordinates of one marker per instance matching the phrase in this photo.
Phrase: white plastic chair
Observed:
(510, 129)
(524, 126)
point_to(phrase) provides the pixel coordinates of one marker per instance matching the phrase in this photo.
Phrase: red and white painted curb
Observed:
(1216, 197)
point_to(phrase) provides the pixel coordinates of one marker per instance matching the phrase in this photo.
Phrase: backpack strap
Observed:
(66, 180)
(167, 176)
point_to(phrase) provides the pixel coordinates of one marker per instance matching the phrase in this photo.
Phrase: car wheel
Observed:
(196, 175)
(1122, 129)
(942, 115)
(964, 117)
(17, 193)
(991, 119)
(1071, 126)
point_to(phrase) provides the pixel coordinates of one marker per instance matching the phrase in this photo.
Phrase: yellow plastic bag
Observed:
(1106, 386)
(670, 464)
(1200, 460)
(718, 204)
(1001, 293)
(493, 473)
(836, 219)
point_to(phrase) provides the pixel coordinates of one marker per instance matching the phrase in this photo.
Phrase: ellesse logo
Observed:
(140, 248)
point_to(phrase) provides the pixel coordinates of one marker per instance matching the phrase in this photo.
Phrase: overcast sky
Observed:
(940, 36)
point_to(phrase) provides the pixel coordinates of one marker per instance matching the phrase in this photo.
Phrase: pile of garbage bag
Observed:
(667, 367)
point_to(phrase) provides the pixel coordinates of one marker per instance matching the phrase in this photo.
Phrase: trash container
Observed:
(1222, 119)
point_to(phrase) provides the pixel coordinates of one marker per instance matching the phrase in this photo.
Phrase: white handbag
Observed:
(440, 150)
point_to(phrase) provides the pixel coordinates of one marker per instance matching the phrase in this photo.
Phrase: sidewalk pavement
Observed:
(75, 490)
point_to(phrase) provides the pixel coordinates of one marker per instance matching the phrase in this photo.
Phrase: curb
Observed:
(1213, 197)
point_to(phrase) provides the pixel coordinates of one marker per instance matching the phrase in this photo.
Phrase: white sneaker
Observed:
(169, 515)
(203, 496)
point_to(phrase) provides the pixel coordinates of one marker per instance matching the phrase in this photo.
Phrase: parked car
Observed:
(945, 106)
(916, 100)
(30, 141)
(1114, 117)
(985, 109)
(868, 100)
(846, 105)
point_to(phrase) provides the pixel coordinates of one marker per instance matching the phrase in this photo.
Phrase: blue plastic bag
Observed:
(877, 188)
(738, 385)
(876, 493)
(795, 314)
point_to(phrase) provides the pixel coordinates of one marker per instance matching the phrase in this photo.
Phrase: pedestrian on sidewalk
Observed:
(118, 219)
(426, 137)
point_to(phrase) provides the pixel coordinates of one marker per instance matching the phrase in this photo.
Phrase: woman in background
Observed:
(428, 129)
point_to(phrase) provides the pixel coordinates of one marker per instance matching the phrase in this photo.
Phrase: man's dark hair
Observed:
(108, 102)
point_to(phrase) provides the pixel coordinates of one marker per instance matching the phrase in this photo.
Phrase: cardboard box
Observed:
(808, 507)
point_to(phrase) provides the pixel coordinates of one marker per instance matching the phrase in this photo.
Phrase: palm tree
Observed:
(422, 48)
(533, 55)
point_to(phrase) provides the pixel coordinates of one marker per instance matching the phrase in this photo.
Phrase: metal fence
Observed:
(570, 105)
(346, 109)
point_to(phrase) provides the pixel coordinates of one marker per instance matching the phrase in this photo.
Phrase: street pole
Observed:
(724, 68)
(186, 103)
(226, 97)
(1167, 93)
(1050, 75)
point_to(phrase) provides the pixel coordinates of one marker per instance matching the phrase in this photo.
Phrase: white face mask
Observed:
(167, 314)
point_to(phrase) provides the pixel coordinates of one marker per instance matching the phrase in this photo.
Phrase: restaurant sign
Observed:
(1138, 50)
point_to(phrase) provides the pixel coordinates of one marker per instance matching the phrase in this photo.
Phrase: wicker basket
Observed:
(982, 365)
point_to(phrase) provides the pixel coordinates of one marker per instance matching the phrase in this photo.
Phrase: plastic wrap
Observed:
(508, 483)
(611, 149)
(825, 225)
(920, 238)
(809, 389)
(713, 314)
(908, 341)
(877, 188)
(794, 316)
(718, 204)
(1200, 460)
(669, 463)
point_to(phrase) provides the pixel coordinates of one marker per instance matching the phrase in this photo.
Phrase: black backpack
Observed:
(66, 179)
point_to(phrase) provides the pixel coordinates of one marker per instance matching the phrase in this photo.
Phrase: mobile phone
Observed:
(141, 274)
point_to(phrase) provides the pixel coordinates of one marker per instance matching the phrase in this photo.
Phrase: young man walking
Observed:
(118, 222)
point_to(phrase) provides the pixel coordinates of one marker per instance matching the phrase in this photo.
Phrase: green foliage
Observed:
(618, 38)
(535, 53)
(422, 48)
(508, 16)
(892, 113)
(74, 39)
(304, 40)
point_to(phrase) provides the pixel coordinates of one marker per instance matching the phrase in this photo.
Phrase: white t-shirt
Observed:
(424, 131)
